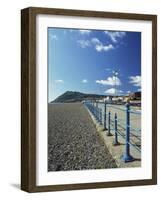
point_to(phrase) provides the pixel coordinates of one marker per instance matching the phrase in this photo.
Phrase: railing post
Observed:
(109, 124)
(105, 117)
(115, 126)
(95, 110)
(100, 116)
(91, 106)
(127, 157)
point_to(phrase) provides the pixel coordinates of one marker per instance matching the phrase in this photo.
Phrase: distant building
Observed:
(115, 99)
(121, 98)
(135, 96)
(126, 98)
(108, 99)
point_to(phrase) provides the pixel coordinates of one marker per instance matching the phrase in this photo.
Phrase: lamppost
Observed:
(115, 74)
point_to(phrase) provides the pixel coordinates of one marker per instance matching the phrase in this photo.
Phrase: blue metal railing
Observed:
(123, 128)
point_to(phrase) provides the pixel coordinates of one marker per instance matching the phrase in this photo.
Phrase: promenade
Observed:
(120, 128)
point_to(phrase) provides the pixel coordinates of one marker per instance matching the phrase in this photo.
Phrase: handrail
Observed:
(118, 108)
(135, 112)
(102, 116)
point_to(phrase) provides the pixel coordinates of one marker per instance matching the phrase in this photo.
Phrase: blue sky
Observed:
(84, 61)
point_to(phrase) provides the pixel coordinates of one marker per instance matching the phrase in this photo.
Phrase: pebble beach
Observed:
(73, 141)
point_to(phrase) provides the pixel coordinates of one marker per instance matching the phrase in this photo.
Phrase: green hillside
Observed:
(73, 96)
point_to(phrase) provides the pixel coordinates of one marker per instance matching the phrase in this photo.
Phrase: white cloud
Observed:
(85, 32)
(84, 43)
(113, 91)
(128, 92)
(110, 81)
(101, 47)
(96, 43)
(135, 80)
(139, 89)
(115, 35)
(59, 81)
(84, 81)
(53, 37)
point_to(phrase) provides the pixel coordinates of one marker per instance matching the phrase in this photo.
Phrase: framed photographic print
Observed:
(88, 99)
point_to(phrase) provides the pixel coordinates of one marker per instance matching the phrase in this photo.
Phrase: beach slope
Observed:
(73, 141)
